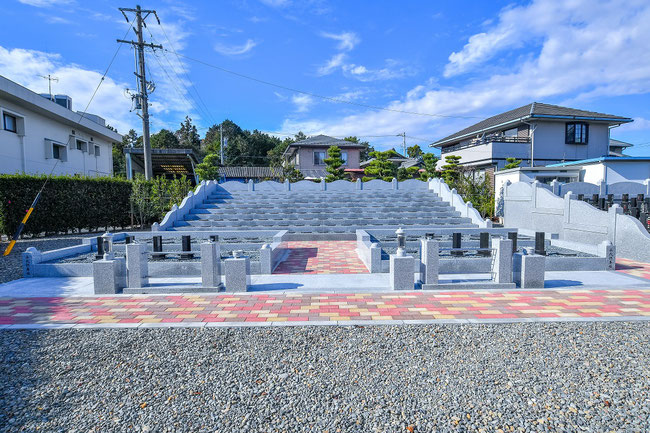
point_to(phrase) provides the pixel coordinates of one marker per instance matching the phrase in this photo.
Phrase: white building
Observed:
(36, 133)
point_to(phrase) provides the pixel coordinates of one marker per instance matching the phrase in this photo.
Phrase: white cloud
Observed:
(27, 66)
(276, 3)
(393, 69)
(235, 50)
(56, 20)
(332, 64)
(592, 50)
(302, 102)
(45, 3)
(347, 40)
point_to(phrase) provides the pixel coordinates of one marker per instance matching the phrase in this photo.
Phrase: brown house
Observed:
(309, 155)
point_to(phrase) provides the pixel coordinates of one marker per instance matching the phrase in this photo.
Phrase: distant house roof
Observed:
(250, 172)
(619, 143)
(323, 141)
(397, 159)
(535, 110)
(412, 162)
(603, 159)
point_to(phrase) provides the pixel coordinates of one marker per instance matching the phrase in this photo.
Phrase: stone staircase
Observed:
(321, 211)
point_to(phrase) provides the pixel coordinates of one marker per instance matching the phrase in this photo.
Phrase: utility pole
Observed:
(141, 97)
(49, 79)
(221, 143)
(403, 135)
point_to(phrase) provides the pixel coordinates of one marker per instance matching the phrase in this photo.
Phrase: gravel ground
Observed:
(532, 377)
(11, 267)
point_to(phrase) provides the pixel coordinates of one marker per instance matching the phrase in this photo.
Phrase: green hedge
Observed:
(67, 203)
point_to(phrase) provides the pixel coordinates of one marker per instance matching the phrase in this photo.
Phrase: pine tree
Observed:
(334, 164)
(430, 161)
(512, 163)
(188, 136)
(451, 170)
(381, 167)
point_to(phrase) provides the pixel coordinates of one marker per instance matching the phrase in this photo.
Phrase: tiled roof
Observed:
(325, 141)
(536, 109)
(250, 172)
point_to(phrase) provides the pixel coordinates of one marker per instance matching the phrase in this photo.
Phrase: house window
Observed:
(344, 157)
(82, 145)
(577, 133)
(59, 152)
(97, 153)
(9, 122)
(319, 158)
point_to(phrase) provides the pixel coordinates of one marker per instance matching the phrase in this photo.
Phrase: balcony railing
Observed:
(494, 138)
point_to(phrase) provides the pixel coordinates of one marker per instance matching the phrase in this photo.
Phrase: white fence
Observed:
(533, 207)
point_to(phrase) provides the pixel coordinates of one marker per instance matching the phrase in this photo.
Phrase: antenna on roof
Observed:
(49, 79)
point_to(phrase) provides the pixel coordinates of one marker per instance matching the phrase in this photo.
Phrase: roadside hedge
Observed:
(68, 203)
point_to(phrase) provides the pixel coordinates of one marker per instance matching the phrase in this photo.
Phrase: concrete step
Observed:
(328, 222)
(234, 216)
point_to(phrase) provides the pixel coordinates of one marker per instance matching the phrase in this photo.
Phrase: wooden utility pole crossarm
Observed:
(142, 97)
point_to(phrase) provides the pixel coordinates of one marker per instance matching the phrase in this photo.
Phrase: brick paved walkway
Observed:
(638, 269)
(225, 308)
(321, 257)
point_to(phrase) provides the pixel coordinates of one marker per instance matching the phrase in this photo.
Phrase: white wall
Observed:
(18, 153)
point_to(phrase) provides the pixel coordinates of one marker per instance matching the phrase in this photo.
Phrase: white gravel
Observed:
(532, 377)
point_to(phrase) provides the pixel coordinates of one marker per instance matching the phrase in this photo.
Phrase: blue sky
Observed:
(466, 60)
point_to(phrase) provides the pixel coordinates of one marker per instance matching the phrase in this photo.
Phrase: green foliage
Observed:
(477, 190)
(414, 151)
(130, 139)
(291, 173)
(164, 139)
(430, 161)
(152, 199)
(208, 169)
(407, 173)
(188, 136)
(381, 167)
(67, 203)
(451, 170)
(334, 164)
(512, 163)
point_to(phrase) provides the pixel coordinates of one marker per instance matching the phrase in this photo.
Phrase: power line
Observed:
(315, 95)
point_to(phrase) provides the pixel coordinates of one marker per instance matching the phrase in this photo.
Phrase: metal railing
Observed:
(493, 138)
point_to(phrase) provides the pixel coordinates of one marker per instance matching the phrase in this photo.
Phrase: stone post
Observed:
(608, 251)
(602, 187)
(237, 274)
(287, 185)
(137, 265)
(429, 261)
(375, 258)
(211, 265)
(266, 259)
(567, 207)
(611, 223)
(528, 270)
(503, 261)
(647, 187)
(394, 183)
(31, 257)
(359, 185)
(555, 187)
(323, 184)
(109, 276)
(401, 272)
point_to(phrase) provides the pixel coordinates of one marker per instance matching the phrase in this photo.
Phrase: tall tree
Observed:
(164, 139)
(129, 139)
(451, 170)
(414, 151)
(208, 169)
(430, 161)
(188, 136)
(367, 148)
(334, 164)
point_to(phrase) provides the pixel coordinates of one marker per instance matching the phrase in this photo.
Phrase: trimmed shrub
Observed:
(67, 203)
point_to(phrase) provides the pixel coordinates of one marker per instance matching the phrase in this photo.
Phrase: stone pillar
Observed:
(31, 257)
(555, 187)
(109, 276)
(608, 251)
(375, 258)
(429, 261)
(502, 261)
(237, 274)
(394, 183)
(529, 270)
(567, 207)
(266, 259)
(211, 265)
(359, 185)
(401, 272)
(251, 185)
(602, 188)
(287, 185)
(613, 212)
(323, 184)
(137, 265)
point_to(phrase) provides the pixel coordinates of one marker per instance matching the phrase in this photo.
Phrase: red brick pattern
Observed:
(630, 267)
(303, 307)
(321, 257)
